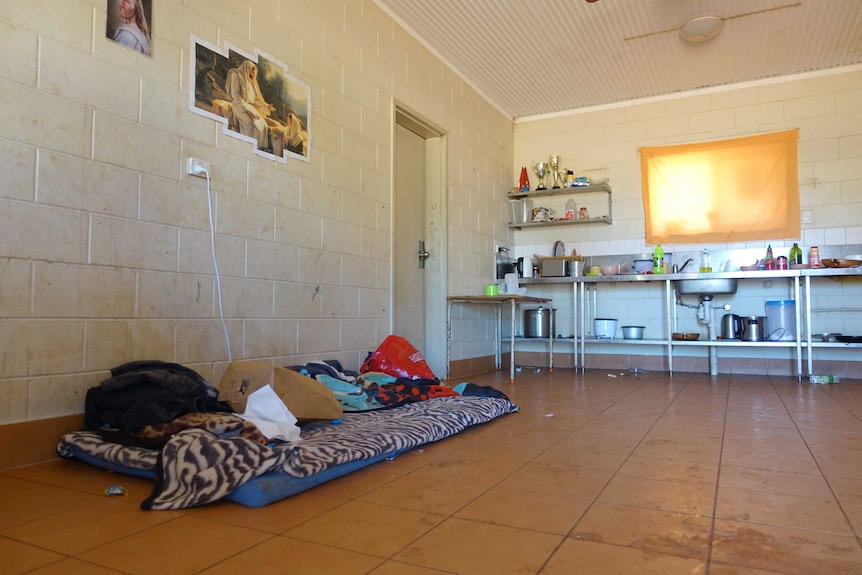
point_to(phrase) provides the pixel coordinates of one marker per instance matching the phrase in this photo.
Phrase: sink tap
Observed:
(688, 261)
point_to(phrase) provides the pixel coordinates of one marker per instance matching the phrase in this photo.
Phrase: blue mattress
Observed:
(327, 451)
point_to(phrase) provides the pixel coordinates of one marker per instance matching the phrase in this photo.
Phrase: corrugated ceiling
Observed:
(534, 57)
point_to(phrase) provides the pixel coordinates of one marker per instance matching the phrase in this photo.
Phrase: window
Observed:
(744, 189)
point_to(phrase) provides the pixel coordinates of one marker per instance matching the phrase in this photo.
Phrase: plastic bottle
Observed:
(795, 254)
(570, 209)
(705, 266)
(658, 260)
(769, 262)
(524, 181)
(814, 258)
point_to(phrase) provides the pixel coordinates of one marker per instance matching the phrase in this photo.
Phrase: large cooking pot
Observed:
(537, 322)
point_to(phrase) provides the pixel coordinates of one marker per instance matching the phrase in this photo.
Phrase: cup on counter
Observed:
(595, 270)
(492, 289)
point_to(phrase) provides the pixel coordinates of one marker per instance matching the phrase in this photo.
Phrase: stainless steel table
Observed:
(497, 301)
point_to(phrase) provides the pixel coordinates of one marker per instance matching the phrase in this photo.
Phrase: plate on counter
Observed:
(840, 263)
(685, 336)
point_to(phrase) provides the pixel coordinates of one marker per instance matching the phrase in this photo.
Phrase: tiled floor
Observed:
(595, 475)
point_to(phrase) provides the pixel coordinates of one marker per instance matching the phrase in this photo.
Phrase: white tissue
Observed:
(267, 411)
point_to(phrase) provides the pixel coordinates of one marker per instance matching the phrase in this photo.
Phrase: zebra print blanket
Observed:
(197, 467)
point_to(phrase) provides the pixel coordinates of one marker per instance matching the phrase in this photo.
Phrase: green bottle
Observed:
(795, 254)
(658, 260)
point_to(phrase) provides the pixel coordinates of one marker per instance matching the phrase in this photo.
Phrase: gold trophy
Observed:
(541, 170)
(554, 163)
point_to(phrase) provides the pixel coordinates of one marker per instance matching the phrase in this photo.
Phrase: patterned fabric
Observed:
(210, 468)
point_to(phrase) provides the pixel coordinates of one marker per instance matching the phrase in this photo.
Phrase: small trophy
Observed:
(541, 169)
(554, 163)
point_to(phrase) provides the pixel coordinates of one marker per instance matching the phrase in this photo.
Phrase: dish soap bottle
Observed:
(705, 266)
(658, 260)
(769, 262)
(795, 254)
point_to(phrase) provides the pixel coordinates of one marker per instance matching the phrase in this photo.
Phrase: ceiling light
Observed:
(701, 29)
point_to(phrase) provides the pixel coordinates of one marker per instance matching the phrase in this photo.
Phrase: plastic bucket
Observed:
(781, 320)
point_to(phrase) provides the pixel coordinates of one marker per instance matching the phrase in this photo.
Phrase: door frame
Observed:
(436, 221)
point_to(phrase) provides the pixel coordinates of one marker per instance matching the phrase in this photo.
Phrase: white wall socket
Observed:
(198, 167)
(806, 216)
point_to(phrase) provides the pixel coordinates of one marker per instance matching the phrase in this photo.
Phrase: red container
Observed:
(781, 263)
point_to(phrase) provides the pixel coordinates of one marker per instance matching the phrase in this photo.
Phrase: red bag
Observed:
(398, 358)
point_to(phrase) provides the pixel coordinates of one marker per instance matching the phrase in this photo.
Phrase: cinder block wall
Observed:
(104, 242)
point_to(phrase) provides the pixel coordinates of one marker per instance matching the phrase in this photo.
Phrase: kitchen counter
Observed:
(759, 274)
(800, 283)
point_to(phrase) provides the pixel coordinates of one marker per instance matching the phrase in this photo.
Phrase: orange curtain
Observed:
(744, 189)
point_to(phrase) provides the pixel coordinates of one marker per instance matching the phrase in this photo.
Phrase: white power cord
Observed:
(215, 265)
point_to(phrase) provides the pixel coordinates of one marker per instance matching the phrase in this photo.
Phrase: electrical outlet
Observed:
(198, 167)
(806, 216)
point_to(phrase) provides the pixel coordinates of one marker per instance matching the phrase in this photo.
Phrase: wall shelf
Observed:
(578, 190)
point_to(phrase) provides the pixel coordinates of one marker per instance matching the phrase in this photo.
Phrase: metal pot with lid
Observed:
(538, 322)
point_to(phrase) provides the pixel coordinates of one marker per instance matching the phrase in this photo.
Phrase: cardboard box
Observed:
(306, 398)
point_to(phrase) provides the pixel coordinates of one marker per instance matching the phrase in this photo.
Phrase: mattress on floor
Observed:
(196, 467)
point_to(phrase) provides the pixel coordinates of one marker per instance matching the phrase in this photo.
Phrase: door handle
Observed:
(423, 255)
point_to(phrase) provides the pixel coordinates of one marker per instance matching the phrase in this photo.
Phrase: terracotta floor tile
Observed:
(22, 558)
(681, 496)
(287, 556)
(647, 529)
(19, 507)
(480, 549)
(784, 550)
(377, 530)
(181, 546)
(275, 518)
(669, 468)
(526, 510)
(77, 475)
(575, 556)
(774, 481)
(74, 567)
(75, 530)
(848, 491)
(816, 514)
(400, 568)
(551, 479)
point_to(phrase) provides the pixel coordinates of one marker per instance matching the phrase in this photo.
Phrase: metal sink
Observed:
(706, 287)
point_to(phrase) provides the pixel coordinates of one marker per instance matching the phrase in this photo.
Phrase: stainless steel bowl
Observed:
(633, 331)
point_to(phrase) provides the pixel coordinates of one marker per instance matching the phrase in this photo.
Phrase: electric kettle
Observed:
(525, 267)
(731, 326)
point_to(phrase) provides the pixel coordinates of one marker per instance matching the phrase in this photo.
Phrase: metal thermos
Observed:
(753, 328)
(731, 326)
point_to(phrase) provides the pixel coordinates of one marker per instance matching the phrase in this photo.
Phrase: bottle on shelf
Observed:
(705, 266)
(814, 258)
(570, 209)
(795, 256)
(524, 182)
(769, 261)
(658, 260)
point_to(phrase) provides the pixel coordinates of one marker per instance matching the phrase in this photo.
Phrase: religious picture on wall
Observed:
(254, 98)
(130, 23)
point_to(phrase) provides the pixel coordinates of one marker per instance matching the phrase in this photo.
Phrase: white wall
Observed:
(104, 245)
